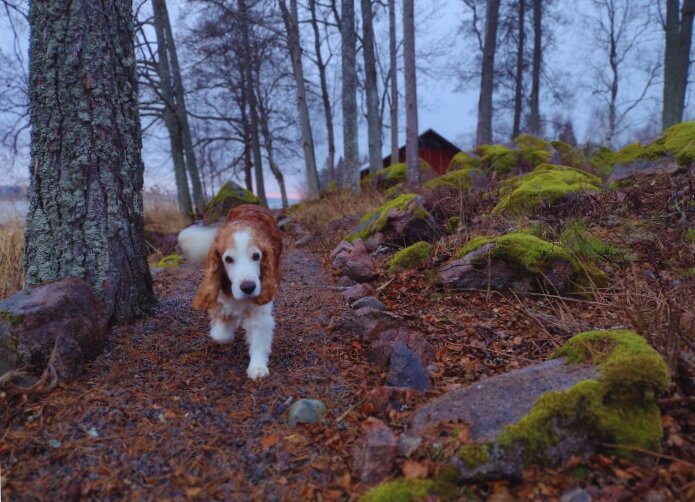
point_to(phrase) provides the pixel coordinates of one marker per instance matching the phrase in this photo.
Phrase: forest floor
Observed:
(166, 413)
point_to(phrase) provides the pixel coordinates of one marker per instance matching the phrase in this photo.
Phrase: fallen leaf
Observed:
(269, 441)
(413, 469)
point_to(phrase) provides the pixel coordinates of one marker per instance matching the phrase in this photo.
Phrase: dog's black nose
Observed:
(248, 287)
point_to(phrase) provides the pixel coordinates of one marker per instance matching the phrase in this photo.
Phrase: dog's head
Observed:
(244, 260)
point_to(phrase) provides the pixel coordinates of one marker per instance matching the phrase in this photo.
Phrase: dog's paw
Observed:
(221, 334)
(257, 372)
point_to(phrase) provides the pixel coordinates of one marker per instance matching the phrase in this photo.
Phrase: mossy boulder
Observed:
(498, 158)
(620, 407)
(566, 155)
(411, 257)
(229, 196)
(518, 261)
(463, 160)
(395, 174)
(600, 389)
(545, 184)
(461, 179)
(401, 221)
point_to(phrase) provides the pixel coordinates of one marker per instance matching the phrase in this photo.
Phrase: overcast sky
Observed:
(445, 104)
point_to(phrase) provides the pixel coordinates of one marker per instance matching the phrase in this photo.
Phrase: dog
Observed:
(240, 278)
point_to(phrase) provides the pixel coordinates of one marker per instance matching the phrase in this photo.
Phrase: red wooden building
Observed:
(434, 149)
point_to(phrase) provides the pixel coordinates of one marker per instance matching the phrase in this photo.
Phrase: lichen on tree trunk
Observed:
(85, 215)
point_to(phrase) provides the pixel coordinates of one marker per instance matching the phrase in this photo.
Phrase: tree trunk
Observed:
(373, 121)
(246, 128)
(519, 80)
(679, 29)
(393, 70)
(484, 135)
(351, 167)
(169, 114)
(325, 96)
(535, 118)
(246, 56)
(181, 114)
(293, 43)
(411, 125)
(613, 65)
(85, 215)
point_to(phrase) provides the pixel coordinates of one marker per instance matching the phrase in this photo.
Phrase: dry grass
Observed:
(11, 250)
(162, 215)
(328, 216)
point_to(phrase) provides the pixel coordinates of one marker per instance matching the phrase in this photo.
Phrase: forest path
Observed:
(165, 412)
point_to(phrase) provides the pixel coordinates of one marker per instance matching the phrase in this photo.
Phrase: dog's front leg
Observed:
(259, 336)
(222, 330)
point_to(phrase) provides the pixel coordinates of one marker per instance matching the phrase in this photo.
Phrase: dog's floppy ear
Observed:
(270, 273)
(213, 280)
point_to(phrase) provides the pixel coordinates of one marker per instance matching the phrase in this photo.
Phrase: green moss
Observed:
(474, 455)
(462, 160)
(410, 257)
(474, 244)
(602, 160)
(679, 140)
(689, 236)
(547, 183)
(411, 490)
(568, 154)
(170, 261)
(458, 180)
(532, 151)
(576, 239)
(394, 174)
(619, 408)
(375, 220)
(394, 191)
(228, 197)
(497, 158)
(13, 320)
(453, 223)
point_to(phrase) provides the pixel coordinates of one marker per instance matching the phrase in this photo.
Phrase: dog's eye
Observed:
(256, 256)
(229, 259)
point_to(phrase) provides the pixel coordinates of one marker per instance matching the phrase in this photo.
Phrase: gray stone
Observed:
(367, 322)
(406, 369)
(382, 346)
(306, 411)
(645, 167)
(359, 265)
(368, 301)
(576, 495)
(303, 240)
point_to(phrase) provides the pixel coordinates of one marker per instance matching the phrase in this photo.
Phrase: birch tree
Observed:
(679, 37)
(351, 154)
(411, 118)
(370, 85)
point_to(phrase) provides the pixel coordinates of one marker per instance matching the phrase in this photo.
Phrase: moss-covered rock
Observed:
(619, 408)
(547, 183)
(532, 151)
(602, 160)
(567, 155)
(410, 257)
(679, 140)
(463, 160)
(498, 158)
(229, 196)
(401, 221)
(461, 179)
(396, 174)
(411, 490)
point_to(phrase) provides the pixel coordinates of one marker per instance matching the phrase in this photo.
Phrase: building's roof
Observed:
(429, 139)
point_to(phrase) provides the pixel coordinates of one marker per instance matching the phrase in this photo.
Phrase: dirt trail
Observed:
(167, 413)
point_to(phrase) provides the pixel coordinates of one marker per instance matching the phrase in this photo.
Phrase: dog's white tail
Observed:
(195, 242)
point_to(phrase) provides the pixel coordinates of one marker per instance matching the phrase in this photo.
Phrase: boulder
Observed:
(382, 346)
(644, 167)
(229, 196)
(406, 369)
(381, 401)
(306, 411)
(396, 174)
(359, 265)
(61, 322)
(600, 388)
(368, 301)
(358, 291)
(517, 261)
(367, 322)
(400, 222)
(375, 452)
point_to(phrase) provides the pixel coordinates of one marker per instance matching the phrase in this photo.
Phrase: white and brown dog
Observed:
(241, 278)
